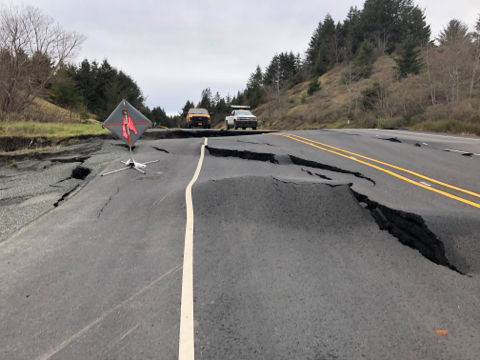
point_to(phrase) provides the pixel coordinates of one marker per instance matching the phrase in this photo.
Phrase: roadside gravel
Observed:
(30, 186)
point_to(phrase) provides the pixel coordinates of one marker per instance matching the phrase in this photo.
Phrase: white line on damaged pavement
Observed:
(462, 151)
(186, 344)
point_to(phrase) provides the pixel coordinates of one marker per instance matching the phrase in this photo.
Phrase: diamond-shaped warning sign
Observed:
(127, 123)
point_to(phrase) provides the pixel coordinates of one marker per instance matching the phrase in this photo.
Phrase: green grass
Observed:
(36, 129)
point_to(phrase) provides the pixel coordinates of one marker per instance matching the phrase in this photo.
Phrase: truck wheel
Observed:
(235, 128)
(254, 128)
(244, 128)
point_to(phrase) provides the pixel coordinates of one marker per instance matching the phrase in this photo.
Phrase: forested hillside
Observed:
(379, 67)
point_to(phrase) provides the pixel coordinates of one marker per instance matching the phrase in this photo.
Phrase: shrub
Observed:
(370, 96)
(314, 86)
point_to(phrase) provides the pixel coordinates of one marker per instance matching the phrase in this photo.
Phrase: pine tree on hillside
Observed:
(323, 46)
(455, 32)
(388, 22)
(409, 60)
(313, 45)
(351, 31)
(206, 101)
(64, 91)
(254, 91)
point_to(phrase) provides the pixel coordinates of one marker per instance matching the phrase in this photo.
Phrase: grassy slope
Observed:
(44, 119)
(35, 129)
(328, 108)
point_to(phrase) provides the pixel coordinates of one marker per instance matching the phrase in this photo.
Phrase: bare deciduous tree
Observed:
(449, 66)
(32, 48)
(476, 56)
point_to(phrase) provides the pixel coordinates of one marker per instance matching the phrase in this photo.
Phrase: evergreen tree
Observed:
(158, 117)
(64, 92)
(322, 50)
(314, 86)
(353, 36)
(455, 32)
(314, 45)
(103, 87)
(206, 100)
(409, 60)
(188, 105)
(366, 55)
(254, 91)
(388, 22)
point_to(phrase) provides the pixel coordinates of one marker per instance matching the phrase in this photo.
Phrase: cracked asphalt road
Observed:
(298, 252)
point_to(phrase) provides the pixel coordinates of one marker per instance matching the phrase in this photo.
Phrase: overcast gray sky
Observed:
(176, 48)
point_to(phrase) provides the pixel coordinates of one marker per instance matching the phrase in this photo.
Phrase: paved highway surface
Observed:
(341, 244)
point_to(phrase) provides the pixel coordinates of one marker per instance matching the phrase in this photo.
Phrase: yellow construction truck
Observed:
(198, 117)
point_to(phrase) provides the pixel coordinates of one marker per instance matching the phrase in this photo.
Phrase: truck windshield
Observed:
(198, 111)
(243, 112)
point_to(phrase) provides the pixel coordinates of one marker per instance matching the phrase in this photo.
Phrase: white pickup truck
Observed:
(241, 117)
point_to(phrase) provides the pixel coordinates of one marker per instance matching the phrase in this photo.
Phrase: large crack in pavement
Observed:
(242, 154)
(314, 164)
(79, 173)
(274, 159)
(64, 196)
(409, 228)
(316, 174)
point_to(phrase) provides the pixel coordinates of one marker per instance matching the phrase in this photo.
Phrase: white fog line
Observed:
(186, 344)
(462, 151)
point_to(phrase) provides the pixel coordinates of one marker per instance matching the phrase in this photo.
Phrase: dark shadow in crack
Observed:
(317, 165)
(409, 228)
(242, 154)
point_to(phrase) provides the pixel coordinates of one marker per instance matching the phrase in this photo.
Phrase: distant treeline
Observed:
(97, 89)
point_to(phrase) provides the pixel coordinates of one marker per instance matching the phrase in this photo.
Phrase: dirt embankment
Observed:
(15, 143)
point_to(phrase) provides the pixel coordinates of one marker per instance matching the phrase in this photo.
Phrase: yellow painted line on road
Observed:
(186, 343)
(389, 172)
(469, 192)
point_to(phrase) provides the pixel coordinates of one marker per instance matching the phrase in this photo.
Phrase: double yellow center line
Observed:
(370, 162)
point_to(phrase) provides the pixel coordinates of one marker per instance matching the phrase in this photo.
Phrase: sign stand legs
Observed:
(132, 164)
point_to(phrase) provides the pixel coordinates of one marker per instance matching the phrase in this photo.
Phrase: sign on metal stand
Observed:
(128, 124)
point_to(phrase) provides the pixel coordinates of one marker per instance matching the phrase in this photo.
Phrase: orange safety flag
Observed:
(127, 122)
